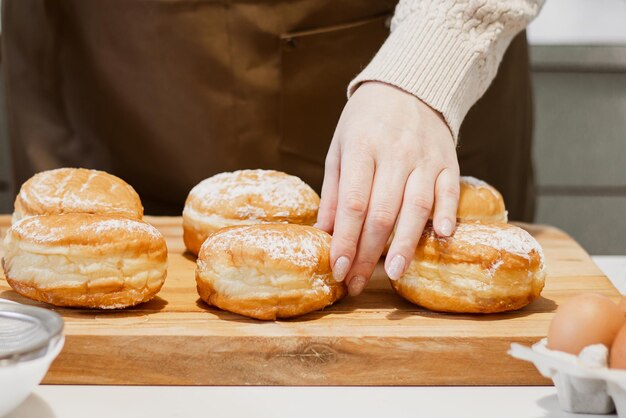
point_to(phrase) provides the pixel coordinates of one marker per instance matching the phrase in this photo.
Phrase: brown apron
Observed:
(167, 93)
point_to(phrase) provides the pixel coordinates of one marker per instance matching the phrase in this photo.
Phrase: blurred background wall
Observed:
(579, 71)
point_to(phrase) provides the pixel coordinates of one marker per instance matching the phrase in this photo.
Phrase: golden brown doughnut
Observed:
(85, 260)
(267, 271)
(243, 198)
(479, 201)
(482, 268)
(72, 190)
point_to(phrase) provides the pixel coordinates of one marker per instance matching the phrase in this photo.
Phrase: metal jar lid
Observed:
(27, 332)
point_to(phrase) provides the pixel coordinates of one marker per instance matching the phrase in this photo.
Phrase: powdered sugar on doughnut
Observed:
(122, 224)
(473, 181)
(478, 184)
(68, 190)
(494, 267)
(37, 230)
(285, 195)
(34, 229)
(302, 251)
(510, 239)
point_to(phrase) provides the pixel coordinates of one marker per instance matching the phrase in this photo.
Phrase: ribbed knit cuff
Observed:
(432, 61)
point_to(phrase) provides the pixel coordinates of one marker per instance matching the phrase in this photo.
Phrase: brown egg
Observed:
(618, 350)
(584, 320)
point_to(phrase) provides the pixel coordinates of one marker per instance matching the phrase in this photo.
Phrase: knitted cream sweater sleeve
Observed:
(447, 52)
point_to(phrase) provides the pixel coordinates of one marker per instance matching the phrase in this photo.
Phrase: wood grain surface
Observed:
(374, 339)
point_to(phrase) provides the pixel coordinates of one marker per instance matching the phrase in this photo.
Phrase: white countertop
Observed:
(292, 402)
(302, 402)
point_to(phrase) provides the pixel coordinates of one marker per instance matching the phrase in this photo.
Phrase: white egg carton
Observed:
(584, 383)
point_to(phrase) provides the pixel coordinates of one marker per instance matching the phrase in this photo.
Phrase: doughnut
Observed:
(479, 201)
(85, 260)
(267, 271)
(481, 268)
(246, 197)
(71, 190)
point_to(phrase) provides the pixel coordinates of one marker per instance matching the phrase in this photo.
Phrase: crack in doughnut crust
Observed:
(267, 271)
(482, 268)
(85, 260)
(246, 197)
(74, 190)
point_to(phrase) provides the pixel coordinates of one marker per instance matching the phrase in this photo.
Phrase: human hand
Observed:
(391, 158)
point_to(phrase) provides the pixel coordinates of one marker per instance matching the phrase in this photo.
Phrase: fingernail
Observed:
(396, 267)
(356, 285)
(316, 225)
(341, 267)
(445, 227)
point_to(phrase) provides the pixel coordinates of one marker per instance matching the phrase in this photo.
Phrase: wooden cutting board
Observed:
(374, 339)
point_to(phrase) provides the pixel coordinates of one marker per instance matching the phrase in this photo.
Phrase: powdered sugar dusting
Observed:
(285, 194)
(319, 283)
(277, 245)
(473, 181)
(85, 185)
(38, 230)
(34, 229)
(77, 190)
(511, 239)
(494, 267)
(101, 226)
(479, 184)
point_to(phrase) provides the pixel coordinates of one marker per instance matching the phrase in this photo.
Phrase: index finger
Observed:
(328, 202)
(355, 186)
